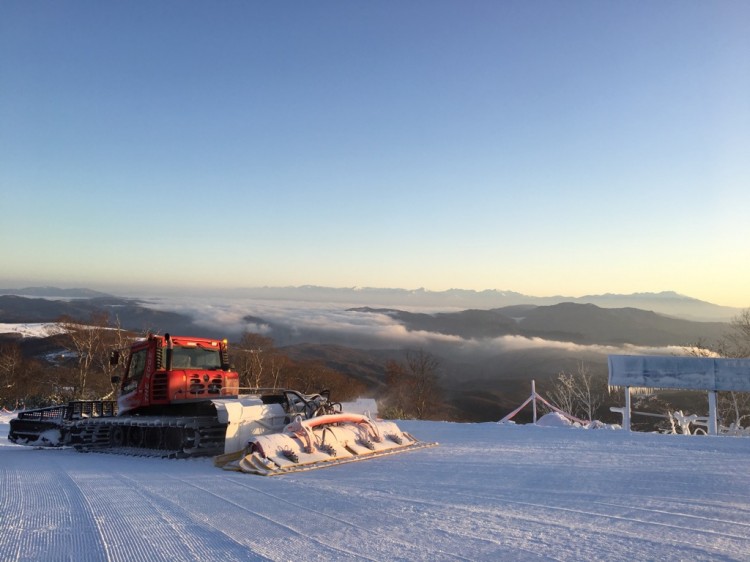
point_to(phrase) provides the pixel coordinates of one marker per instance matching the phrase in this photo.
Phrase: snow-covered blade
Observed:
(320, 442)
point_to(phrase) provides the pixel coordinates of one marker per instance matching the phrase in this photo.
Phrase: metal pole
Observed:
(533, 395)
(626, 413)
(713, 425)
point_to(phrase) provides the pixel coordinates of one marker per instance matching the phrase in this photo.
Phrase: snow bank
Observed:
(553, 419)
(5, 417)
(31, 330)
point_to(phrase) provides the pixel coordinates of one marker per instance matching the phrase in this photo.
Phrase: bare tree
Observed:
(252, 356)
(314, 376)
(11, 360)
(91, 342)
(277, 363)
(29, 386)
(261, 364)
(563, 394)
(113, 338)
(736, 342)
(423, 367)
(581, 393)
(413, 389)
(84, 344)
(733, 408)
(399, 393)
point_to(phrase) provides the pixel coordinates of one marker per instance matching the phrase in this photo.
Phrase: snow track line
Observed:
(275, 522)
(673, 514)
(10, 531)
(674, 540)
(741, 511)
(97, 524)
(744, 499)
(344, 521)
(733, 498)
(518, 530)
(186, 538)
(593, 499)
(622, 518)
(700, 549)
(736, 506)
(508, 549)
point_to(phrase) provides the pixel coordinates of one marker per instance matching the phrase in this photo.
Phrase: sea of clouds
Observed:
(290, 322)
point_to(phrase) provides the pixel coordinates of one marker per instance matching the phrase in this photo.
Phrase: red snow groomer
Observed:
(180, 398)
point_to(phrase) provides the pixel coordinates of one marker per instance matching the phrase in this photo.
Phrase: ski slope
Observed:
(488, 492)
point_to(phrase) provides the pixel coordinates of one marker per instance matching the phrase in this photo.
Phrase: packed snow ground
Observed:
(488, 492)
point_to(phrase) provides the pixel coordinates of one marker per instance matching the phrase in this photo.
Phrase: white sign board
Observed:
(688, 373)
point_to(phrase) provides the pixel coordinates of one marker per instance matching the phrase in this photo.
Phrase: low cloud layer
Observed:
(293, 322)
(290, 322)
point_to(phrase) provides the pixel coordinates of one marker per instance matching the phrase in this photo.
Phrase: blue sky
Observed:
(544, 147)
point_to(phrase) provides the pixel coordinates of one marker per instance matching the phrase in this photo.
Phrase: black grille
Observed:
(199, 384)
(159, 387)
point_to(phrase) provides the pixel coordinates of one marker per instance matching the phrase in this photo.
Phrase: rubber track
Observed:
(152, 436)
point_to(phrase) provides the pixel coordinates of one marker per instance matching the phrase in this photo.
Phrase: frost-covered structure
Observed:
(685, 373)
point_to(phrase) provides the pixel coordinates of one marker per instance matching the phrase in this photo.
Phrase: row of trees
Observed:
(80, 369)
(261, 364)
(77, 367)
(411, 387)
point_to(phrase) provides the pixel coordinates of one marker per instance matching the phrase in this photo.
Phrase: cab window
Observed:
(137, 365)
(196, 358)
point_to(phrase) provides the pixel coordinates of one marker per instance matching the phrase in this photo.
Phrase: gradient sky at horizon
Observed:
(544, 147)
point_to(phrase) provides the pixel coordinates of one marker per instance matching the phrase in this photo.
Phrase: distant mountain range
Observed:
(584, 324)
(665, 302)
(54, 292)
(132, 315)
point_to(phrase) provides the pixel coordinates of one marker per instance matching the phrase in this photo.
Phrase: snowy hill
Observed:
(488, 492)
